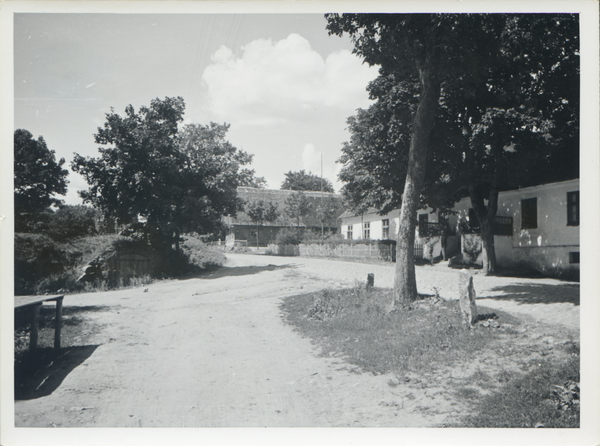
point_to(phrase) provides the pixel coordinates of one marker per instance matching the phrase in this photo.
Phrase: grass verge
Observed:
(498, 372)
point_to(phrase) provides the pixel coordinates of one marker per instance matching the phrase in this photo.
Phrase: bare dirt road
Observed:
(214, 351)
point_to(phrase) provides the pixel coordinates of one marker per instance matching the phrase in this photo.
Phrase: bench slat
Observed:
(23, 301)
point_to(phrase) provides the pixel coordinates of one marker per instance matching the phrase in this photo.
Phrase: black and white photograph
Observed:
(307, 217)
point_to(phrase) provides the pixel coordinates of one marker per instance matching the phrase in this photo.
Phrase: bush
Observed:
(200, 254)
(70, 222)
(289, 236)
(43, 265)
(37, 257)
(315, 237)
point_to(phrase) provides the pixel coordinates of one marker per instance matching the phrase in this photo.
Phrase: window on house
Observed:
(529, 213)
(367, 231)
(385, 232)
(573, 257)
(573, 209)
(349, 232)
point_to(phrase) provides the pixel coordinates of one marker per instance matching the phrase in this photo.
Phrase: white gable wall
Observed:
(546, 247)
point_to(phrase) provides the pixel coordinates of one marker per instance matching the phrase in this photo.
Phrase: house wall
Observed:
(547, 247)
(376, 225)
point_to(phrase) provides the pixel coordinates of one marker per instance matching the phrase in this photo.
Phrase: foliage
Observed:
(38, 179)
(501, 111)
(328, 211)
(36, 256)
(297, 206)
(177, 180)
(289, 236)
(306, 181)
(531, 400)
(261, 211)
(43, 265)
(69, 222)
(199, 254)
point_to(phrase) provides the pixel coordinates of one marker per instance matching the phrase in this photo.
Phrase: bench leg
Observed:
(58, 323)
(33, 337)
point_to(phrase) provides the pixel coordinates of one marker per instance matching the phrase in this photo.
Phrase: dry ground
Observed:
(214, 351)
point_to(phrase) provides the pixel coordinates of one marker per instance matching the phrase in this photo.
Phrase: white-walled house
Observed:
(536, 227)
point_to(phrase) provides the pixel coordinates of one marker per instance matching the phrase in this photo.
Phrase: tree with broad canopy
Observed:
(39, 178)
(178, 180)
(457, 100)
(306, 181)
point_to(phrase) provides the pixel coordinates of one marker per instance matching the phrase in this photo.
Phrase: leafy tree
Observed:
(72, 221)
(422, 50)
(38, 179)
(518, 131)
(297, 206)
(177, 180)
(453, 89)
(306, 181)
(261, 212)
(328, 211)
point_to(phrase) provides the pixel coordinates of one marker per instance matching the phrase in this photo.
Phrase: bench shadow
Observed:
(40, 373)
(231, 271)
(538, 293)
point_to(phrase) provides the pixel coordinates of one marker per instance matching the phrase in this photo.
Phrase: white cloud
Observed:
(274, 82)
(311, 159)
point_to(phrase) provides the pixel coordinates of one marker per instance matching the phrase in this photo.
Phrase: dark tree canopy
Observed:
(465, 104)
(39, 178)
(178, 180)
(306, 181)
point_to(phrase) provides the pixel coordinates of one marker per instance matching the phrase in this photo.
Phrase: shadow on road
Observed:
(40, 373)
(538, 293)
(226, 271)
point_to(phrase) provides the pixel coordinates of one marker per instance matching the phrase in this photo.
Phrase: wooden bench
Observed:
(36, 303)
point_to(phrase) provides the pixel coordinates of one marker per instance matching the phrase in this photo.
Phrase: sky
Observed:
(285, 87)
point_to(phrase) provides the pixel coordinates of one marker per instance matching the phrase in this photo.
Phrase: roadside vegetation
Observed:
(498, 371)
(44, 265)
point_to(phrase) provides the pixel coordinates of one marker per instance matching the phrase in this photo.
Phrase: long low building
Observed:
(536, 227)
(241, 228)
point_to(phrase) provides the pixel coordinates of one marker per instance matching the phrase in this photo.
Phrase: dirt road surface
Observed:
(214, 351)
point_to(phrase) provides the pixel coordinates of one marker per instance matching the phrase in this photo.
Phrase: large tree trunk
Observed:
(486, 216)
(405, 284)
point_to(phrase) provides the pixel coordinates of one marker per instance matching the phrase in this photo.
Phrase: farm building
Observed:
(536, 227)
(242, 230)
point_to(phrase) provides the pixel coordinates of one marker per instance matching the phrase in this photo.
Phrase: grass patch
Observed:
(497, 372)
(545, 397)
(356, 325)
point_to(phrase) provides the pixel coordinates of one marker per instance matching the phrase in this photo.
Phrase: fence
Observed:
(380, 251)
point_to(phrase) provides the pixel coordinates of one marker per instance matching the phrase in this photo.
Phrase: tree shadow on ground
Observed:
(41, 372)
(227, 271)
(537, 293)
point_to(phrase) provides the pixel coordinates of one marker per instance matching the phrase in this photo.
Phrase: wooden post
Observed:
(33, 336)
(370, 281)
(58, 322)
(467, 298)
